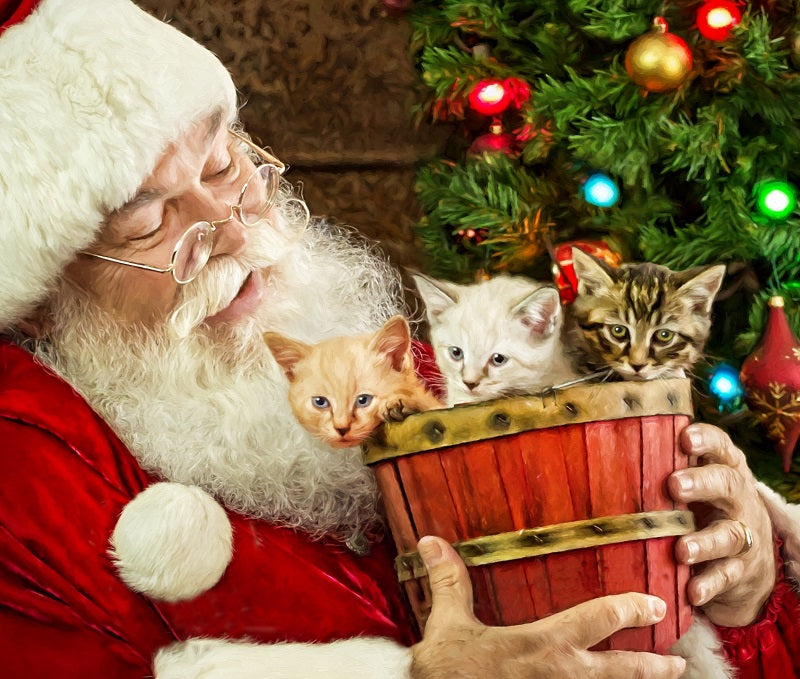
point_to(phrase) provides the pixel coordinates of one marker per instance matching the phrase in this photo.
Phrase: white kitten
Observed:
(495, 338)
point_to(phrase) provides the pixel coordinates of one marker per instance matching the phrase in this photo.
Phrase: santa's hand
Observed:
(172, 542)
(457, 644)
(732, 554)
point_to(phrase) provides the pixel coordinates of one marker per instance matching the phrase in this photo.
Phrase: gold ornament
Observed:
(659, 60)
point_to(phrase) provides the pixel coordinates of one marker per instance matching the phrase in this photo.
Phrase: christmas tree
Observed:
(653, 131)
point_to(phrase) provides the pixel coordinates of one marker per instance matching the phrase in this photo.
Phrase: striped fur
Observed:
(642, 320)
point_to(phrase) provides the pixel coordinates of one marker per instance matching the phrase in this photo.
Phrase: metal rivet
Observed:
(648, 522)
(434, 431)
(671, 398)
(571, 408)
(597, 529)
(500, 421)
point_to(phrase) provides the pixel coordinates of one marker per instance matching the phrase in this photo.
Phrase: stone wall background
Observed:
(327, 85)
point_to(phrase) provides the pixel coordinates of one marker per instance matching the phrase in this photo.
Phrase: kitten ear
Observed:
(700, 286)
(287, 352)
(393, 340)
(540, 311)
(592, 274)
(437, 295)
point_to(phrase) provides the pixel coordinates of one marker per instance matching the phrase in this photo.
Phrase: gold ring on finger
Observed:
(748, 539)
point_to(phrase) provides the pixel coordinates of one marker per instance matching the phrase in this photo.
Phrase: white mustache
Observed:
(223, 277)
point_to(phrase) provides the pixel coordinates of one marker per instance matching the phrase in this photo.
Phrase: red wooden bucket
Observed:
(550, 500)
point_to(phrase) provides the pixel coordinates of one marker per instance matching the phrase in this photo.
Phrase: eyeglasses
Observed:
(193, 249)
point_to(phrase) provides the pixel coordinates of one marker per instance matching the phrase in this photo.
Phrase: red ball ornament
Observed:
(770, 376)
(564, 272)
(495, 141)
(490, 97)
(716, 18)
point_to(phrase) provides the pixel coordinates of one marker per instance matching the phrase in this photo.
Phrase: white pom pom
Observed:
(172, 542)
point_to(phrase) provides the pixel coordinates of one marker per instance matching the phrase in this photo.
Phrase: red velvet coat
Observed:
(65, 477)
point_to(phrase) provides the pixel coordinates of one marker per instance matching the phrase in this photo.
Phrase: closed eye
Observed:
(320, 402)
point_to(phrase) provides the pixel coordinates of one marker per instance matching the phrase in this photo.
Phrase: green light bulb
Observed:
(776, 199)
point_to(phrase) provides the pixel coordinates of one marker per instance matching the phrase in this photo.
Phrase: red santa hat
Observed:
(91, 94)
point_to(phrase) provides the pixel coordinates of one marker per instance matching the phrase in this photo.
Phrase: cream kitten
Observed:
(341, 389)
(643, 321)
(495, 338)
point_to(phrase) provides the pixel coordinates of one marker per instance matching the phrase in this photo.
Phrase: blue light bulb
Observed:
(601, 190)
(724, 383)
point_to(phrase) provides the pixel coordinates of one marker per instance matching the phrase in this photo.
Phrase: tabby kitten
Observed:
(643, 321)
(341, 389)
(495, 338)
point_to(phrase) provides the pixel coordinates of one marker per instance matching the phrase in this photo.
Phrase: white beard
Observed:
(210, 408)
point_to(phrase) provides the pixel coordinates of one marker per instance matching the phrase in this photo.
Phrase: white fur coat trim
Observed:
(361, 658)
(92, 92)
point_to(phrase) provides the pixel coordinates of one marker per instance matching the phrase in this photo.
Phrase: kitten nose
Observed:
(470, 385)
(638, 366)
(342, 430)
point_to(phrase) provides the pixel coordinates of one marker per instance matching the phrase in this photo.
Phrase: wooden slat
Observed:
(684, 608)
(657, 462)
(614, 458)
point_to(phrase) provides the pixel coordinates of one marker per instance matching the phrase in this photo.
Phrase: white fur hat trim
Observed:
(91, 93)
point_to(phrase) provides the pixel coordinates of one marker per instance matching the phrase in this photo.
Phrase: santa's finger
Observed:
(717, 484)
(720, 540)
(632, 664)
(711, 444)
(717, 578)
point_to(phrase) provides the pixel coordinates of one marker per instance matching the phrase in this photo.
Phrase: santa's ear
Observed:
(287, 352)
(701, 286)
(437, 295)
(592, 274)
(393, 341)
(539, 311)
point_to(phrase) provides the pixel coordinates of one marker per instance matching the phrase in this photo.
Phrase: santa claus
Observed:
(161, 510)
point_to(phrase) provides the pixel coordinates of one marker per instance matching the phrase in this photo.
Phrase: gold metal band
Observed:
(576, 405)
(561, 537)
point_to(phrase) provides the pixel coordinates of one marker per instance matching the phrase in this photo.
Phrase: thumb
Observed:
(451, 589)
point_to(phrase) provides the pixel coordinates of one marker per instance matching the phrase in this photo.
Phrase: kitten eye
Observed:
(363, 400)
(320, 402)
(455, 353)
(498, 359)
(663, 335)
(619, 332)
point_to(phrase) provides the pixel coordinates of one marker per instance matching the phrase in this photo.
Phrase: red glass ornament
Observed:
(770, 376)
(564, 272)
(494, 142)
(716, 18)
(490, 97)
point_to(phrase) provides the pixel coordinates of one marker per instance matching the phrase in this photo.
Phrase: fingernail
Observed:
(658, 608)
(702, 596)
(685, 482)
(430, 550)
(696, 438)
(691, 550)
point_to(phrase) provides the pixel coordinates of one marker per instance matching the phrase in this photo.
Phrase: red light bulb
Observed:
(716, 18)
(490, 97)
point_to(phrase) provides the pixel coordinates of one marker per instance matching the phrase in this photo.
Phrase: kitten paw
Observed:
(396, 412)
